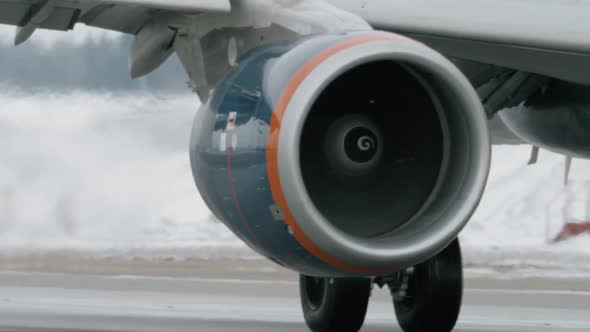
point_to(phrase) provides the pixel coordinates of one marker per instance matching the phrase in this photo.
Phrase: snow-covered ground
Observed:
(108, 175)
(524, 208)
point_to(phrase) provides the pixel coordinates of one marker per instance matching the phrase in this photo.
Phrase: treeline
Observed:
(94, 66)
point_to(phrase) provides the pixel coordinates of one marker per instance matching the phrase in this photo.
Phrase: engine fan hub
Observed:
(361, 145)
(353, 146)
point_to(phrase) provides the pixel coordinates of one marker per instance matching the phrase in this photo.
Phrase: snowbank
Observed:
(524, 208)
(109, 174)
(100, 171)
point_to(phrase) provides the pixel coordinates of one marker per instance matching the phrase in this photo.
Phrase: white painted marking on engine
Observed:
(366, 143)
(223, 142)
(231, 121)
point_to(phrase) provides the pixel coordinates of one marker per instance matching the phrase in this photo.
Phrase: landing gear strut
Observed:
(429, 295)
(426, 298)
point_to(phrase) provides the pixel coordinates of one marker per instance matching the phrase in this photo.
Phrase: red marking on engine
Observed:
(234, 193)
(273, 142)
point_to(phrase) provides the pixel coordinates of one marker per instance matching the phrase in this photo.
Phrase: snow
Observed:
(100, 171)
(108, 175)
(524, 208)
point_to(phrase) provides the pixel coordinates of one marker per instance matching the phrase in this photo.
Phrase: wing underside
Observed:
(546, 37)
(126, 16)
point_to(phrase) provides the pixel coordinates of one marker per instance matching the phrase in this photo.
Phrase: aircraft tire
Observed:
(432, 295)
(334, 304)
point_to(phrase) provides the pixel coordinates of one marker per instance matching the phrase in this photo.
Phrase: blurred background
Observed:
(93, 163)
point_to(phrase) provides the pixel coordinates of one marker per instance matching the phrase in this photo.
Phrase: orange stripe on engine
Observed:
(273, 141)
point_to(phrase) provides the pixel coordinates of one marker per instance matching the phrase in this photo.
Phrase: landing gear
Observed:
(334, 304)
(429, 295)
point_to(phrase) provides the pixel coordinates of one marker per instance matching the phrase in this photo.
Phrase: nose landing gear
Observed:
(426, 298)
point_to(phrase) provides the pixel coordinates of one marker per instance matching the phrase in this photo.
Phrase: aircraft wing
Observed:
(119, 15)
(547, 37)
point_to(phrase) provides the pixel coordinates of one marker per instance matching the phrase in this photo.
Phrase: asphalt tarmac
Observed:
(254, 296)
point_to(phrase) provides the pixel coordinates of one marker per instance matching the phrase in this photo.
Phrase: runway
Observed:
(240, 302)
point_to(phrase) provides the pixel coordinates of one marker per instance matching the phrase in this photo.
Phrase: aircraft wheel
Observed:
(334, 304)
(430, 295)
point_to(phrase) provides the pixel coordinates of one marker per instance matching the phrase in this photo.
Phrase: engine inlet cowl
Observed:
(350, 154)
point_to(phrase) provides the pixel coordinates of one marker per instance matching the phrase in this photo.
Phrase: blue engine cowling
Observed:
(339, 155)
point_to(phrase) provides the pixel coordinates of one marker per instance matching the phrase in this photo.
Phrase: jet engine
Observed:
(355, 154)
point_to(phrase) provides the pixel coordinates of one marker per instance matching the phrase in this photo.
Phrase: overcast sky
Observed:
(86, 58)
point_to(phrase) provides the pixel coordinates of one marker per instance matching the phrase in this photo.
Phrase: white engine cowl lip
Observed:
(389, 252)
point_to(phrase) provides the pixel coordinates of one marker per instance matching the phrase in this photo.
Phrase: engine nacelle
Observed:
(341, 155)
